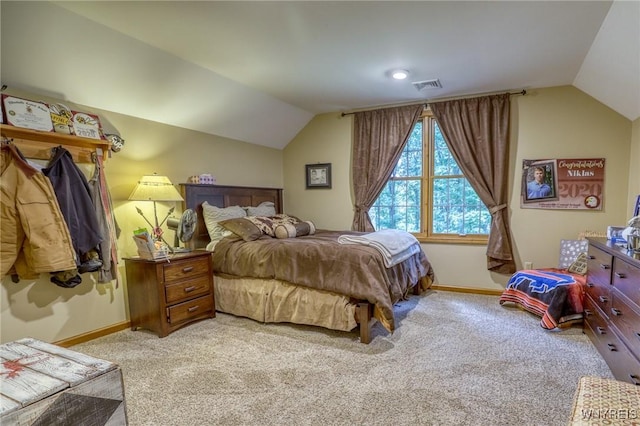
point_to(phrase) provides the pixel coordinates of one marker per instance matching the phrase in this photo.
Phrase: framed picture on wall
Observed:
(539, 181)
(636, 210)
(318, 175)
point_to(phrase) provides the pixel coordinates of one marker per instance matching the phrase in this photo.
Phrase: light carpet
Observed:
(455, 359)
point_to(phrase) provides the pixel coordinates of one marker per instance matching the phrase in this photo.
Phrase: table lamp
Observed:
(155, 188)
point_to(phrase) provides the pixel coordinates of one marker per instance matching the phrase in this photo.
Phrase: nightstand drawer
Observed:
(186, 269)
(187, 289)
(191, 309)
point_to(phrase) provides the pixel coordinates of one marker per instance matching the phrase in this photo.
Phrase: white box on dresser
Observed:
(44, 384)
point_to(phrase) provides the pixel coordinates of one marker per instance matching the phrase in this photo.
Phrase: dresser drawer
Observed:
(622, 363)
(184, 269)
(600, 294)
(599, 266)
(626, 278)
(189, 289)
(191, 309)
(594, 319)
(627, 321)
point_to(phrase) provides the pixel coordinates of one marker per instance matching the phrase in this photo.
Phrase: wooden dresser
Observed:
(612, 307)
(166, 295)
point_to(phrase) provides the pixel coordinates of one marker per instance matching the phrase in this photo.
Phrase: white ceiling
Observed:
(259, 71)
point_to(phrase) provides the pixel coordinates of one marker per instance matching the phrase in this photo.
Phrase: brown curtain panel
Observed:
(379, 138)
(476, 131)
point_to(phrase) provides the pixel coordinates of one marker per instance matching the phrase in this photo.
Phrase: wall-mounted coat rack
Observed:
(37, 144)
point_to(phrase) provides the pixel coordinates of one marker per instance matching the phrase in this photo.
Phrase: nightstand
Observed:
(166, 295)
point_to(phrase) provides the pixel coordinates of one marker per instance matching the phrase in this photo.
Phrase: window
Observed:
(428, 195)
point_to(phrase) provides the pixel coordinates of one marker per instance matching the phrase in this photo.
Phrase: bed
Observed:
(309, 279)
(554, 294)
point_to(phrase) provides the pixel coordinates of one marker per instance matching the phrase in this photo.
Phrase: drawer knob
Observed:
(620, 275)
(616, 312)
(634, 379)
(601, 330)
(591, 257)
(193, 308)
(189, 289)
(612, 347)
(187, 269)
(590, 284)
(603, 299)
(588, 312)
(604, 266)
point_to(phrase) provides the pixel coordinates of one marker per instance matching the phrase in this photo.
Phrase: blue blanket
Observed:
(553, 294)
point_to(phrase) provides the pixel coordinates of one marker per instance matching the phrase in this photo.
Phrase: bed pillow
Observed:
(268, 224)
(243, 228)
(300, 229)
(569, 251)
(579, 266)
(214, 215)
(265, 208)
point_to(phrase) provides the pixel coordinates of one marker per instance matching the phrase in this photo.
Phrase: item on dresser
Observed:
(632, 232)
(612, 307)
(165, 295)
(44, 384)
(614, 233)
(633, 243)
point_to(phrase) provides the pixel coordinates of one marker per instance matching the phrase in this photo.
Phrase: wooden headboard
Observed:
(223, 196)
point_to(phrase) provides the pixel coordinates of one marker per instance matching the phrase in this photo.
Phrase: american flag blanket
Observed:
(553, 294)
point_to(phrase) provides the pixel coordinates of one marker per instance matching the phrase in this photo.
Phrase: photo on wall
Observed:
(318, 175)
(570, 184)
(539, 181)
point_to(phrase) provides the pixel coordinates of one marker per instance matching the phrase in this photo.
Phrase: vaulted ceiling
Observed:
(259, 71)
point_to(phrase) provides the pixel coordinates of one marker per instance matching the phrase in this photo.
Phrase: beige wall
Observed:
(560, 122)
(45, 311)
(326, 139)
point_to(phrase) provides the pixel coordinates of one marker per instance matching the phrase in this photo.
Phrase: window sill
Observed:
(453, 239)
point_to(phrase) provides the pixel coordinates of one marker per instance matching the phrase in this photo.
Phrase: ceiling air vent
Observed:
(427, 84)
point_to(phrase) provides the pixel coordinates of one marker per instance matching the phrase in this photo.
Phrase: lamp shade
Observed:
(155, 188)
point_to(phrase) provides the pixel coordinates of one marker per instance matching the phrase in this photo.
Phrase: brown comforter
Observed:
(319, 261)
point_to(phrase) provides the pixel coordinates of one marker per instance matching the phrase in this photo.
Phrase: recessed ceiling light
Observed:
(399, 74)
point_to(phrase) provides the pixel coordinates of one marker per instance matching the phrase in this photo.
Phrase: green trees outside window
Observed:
(427, 193)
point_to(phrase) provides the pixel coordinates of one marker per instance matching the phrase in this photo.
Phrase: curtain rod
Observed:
(426, 104)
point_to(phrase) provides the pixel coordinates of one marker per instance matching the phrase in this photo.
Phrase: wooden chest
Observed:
(44, 384)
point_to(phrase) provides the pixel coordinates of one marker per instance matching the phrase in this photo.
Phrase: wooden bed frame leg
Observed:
(364, 315)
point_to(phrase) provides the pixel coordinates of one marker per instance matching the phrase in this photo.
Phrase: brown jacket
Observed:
(33, 234)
